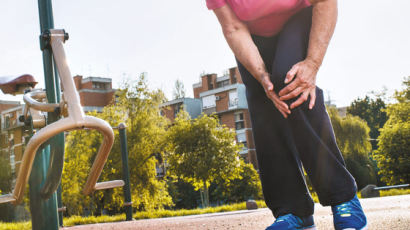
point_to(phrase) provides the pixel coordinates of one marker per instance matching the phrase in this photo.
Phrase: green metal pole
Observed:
(44, 215)
(60, 206)
(125, 171)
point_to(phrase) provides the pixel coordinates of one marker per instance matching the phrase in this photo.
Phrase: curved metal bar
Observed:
(30, 100)
(103, 152)
(76, 120)
(55, 128)
(31, 149)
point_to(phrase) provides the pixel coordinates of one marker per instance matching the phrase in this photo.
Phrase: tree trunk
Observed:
(206, 195)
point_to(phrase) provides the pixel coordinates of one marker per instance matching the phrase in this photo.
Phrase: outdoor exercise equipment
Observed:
(43, 157)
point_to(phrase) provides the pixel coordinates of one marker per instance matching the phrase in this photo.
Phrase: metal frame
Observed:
(76, 119)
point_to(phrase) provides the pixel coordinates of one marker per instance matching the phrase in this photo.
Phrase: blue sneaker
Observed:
(292, 222)
(349, 216)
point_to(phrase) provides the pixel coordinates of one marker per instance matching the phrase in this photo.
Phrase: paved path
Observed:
(384, 213)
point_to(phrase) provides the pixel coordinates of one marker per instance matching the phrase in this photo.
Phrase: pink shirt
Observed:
(263, 17)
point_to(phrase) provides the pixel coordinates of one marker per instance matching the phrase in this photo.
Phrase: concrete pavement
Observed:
(383, 214)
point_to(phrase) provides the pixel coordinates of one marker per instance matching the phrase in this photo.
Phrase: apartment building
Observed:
(95, 92)
(170, 109)
(225, 97)
(12, 136)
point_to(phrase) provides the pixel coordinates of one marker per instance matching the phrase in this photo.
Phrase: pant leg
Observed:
(280, 168)
(311, 129)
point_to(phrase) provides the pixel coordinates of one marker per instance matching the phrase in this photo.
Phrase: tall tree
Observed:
(179, 89)
(394, 146)
(372, 111)
(248, 186)
(352, 136)
(201, 151)
(137, 107)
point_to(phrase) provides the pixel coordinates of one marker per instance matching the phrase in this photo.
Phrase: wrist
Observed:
(314, 62)
(263, 76)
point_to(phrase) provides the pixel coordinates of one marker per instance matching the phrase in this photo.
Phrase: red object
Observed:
(10, 85)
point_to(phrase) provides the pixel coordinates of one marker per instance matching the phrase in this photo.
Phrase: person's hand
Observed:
(303, 85)
(268, 87)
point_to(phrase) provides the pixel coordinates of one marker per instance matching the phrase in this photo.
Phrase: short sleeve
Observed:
(214, 4)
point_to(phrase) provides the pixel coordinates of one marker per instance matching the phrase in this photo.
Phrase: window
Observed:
(220, 119)
(239, 123)
(208, 102)
(210, 85)
(222, 83)
(177, 108)
(242, 139)
(233, 99)
(234, 79)
(99, 85)
(7, 122)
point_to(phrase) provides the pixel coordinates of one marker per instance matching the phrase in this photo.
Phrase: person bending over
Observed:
(279, 46)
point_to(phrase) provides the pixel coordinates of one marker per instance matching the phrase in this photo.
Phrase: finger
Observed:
(312, 98)
(289, 88)
(291, 74)
(292, 94)
(283, 114)
(280, 103)
(300, 100)
(282, 111)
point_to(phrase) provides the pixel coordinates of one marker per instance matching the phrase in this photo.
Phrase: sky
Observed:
(172, 40)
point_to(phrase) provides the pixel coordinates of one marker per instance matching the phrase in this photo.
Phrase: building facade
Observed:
(170, 109)
(95, 92)
(224, 96)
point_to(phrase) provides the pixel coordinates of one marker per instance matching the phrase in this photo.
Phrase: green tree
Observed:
(352, 137)
(179, 89)
(201, 151)
(372, 111)
(394, 145)
(248, 186)
(137, 107)
(183, 193)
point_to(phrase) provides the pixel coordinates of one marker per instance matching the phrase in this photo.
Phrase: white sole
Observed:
(364, 228)
(310, 228)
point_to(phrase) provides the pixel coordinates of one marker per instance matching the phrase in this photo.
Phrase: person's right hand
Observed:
(268, 87)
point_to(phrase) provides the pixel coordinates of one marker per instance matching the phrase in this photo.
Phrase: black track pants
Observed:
(304, 140)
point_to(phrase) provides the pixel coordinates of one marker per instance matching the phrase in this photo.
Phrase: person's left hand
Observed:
(304, 84)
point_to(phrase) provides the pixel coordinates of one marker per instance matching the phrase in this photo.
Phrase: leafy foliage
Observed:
(352, 136)
(201, 151)
(248, 186)
(179, 89)
(137, 107)
(372, 111)
(394, 145)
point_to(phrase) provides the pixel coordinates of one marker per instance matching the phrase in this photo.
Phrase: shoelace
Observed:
(290, 219)
(343, 210)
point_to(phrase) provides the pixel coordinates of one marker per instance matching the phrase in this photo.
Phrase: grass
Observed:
(394, 192)
(79, 220)
(15, 226)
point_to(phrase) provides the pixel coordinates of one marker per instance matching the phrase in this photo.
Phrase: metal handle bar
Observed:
(76, 119)
(55, 128)
(32, 100)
